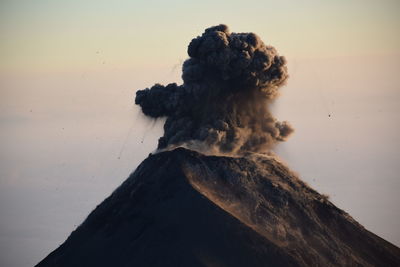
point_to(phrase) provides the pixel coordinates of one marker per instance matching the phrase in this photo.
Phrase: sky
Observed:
(70, 132)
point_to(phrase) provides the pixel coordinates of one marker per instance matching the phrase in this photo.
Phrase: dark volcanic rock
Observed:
(182, 208)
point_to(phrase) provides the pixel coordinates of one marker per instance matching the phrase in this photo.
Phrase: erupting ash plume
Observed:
(229, 80)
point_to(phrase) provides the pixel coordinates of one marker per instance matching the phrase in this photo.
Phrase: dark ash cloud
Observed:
(229, 81)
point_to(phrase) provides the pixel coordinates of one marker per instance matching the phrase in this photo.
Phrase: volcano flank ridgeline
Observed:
(244, 209)
(182, 208)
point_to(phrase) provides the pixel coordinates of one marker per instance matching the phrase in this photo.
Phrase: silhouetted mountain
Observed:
(182, 208)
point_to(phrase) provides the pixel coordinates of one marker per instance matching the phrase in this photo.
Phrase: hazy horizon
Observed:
(71, 132)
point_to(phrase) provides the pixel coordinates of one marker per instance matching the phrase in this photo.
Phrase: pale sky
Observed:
(70, 133)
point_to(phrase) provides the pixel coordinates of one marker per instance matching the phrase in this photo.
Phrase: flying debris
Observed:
(184, 208)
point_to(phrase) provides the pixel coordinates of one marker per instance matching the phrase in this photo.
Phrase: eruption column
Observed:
(229, 81)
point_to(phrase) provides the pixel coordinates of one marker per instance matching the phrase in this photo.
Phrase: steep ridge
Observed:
(182, 208)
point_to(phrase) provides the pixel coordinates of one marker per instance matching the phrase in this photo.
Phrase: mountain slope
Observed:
(182, 208)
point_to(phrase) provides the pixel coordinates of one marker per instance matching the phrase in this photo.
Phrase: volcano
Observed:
(184, 208)
(233, 204)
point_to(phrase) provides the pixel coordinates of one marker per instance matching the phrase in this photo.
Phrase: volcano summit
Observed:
(230, 203)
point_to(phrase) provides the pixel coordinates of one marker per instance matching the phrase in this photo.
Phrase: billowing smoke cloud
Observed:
(229, 80)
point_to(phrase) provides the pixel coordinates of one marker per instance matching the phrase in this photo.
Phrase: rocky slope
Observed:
(182, 208)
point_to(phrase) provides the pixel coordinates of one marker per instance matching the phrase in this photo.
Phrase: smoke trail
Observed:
(229, 80)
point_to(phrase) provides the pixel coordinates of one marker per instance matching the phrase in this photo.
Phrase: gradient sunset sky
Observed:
(70, 133)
